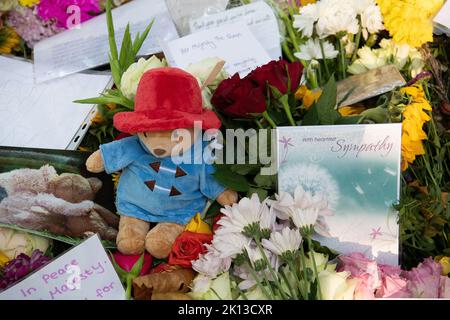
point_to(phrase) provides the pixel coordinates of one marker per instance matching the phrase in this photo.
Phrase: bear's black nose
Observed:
(159, 152)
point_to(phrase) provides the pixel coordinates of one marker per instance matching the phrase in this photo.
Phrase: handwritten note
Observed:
(83, 273)
(259, 17)
(233, 43)
(79, 49)
(44, 115)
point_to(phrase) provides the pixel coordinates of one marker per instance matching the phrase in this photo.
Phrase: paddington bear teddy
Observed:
(155, 185)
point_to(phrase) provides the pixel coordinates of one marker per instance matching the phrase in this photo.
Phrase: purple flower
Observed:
(20, 267)
(30, 28)
(58, 10)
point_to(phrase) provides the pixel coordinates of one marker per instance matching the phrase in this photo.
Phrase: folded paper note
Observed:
(60, 55)
(235, 44)
(44, 115)
(259, 17)
(83, 273)
(352, 173)
(367, 85)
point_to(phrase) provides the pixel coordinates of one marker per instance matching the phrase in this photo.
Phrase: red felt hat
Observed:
(166, 99)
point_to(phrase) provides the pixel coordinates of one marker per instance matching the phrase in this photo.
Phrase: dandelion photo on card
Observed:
(349, 175)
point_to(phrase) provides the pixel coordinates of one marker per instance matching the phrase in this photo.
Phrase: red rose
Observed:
(284, 76)
(187, 247)
(239, 97)
(216, 225)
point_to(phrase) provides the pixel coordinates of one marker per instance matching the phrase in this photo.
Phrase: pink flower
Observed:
(392, 284)
(425, 280)
(57, 10)
(364, 269)
(444, 290)
(30, 28)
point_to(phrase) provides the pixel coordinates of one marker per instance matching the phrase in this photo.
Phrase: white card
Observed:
(87, 47)
(233, 43)
(442, 19)
(259, 17)
(83, 273)
(44, 115)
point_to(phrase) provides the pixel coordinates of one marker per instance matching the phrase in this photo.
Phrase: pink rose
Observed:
(366, 270)
(424, 281)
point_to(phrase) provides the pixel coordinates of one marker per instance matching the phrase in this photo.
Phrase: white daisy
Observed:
(288, 240)
(311, 50)
(304, 22)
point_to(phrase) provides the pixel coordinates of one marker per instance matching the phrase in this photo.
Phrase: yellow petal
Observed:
(3, 259)
(197, 225)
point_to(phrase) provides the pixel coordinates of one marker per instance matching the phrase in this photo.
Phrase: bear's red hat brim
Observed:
(136, 122)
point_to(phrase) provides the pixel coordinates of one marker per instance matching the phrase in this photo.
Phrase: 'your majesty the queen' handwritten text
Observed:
(344, 149)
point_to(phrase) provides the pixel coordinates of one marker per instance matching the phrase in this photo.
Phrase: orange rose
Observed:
(188, 247)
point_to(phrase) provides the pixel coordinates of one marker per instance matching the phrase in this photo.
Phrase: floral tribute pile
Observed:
(263, 247)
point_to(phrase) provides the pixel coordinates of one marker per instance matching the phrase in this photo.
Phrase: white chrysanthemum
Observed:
(304, 22)
(371, 17)
(336, 16)
(211, 263)
(304, 217)
(268, 218)
(311, 50)
(288, 240)
(313, 179)
(243, 214)
(229, 245)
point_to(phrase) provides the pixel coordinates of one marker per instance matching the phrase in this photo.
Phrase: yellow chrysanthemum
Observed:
(414, 117)
(354, 110)
(445, 263)
(309, 97)
(409, 21)
(98, 119)
(9, 40)
(29, 3)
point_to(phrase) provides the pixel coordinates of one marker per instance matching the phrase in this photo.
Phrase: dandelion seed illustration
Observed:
(312, 178)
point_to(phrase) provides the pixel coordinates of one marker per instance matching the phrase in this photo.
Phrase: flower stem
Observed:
(269, 119)
(305, 275)
(342, 58)
(287, 51)
(258, 282)
(316, 274)
(287, 109)
(129, 287)
(327, 71)
(269, 266)
(357, 41)
(293, 293)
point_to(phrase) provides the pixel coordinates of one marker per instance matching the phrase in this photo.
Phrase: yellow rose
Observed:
(13, 243)
(197, 225)
(336, 285)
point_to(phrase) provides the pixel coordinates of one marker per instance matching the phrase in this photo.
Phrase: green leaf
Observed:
(126, 52)
(262, 193)
(137, 268)
(349, 120)
(265, 181)
(230, 179)
(116, 71)
(245, 169)
(111, 33)
(139, 41)
(324, 112)
(121, 273)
